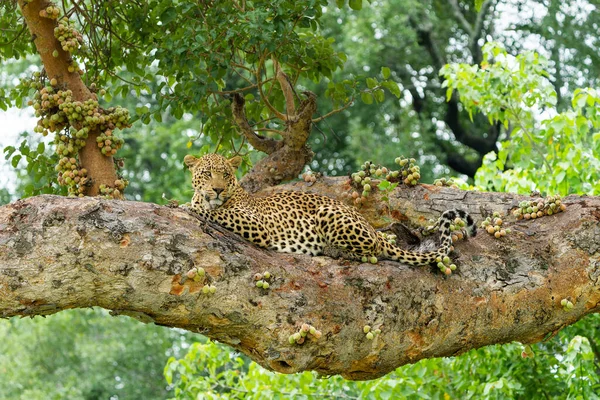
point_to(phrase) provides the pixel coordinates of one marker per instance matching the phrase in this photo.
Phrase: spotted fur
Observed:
(298, 222)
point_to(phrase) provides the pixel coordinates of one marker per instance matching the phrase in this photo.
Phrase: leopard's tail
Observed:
(392, 252)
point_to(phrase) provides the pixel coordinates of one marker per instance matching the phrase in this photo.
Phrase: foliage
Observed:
(561, 368)
(544, 150)
(79, 354)
(220, 48)
(39, 171)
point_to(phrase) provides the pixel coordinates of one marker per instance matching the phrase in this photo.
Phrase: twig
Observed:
(329, 114)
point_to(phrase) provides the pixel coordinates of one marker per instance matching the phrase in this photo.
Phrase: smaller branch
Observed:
(17, 36)
(271, 130)
(260, 143)
(461, 18)
(238, 73)
(242, 66)
(286, 88)
(329, 114)
(225, 92)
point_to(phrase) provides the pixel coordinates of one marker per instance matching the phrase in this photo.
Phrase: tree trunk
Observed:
(56, 61)
(58, 253)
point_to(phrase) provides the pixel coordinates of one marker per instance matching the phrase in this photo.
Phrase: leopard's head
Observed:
(213, 179)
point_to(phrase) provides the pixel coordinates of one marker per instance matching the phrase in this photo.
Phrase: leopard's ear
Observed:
(190, 160)
(235, 161)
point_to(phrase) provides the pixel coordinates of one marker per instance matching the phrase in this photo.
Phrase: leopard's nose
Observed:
(218, 191)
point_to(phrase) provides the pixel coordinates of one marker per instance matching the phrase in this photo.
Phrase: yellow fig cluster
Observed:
(305, 330)
(197, 274)
(457, 229)
(445, 265)
(566, 304)
(409, 171)
(309, 177)
(51, 12)
(72, 122)
(372, 175)
(262, 280)
(532, 209)
(493, 226)
(69, 38)
(370, 333)
(390, 237)
(445, 182)
(209, 289)
(363, 181)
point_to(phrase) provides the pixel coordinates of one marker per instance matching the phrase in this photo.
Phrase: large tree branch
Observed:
(58, 253)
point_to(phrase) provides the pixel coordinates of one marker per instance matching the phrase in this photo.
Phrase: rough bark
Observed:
(101, 169)
(58, 253)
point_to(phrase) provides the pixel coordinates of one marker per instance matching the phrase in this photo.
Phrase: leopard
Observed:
(300, 222)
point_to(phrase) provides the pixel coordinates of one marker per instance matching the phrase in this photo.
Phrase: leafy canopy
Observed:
(545, 150)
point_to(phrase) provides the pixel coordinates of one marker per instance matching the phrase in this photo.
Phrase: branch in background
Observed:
(424, 39)
(474, 140)
(461, 18)
(477, 31)
(457, 161)
(463, 166)
(260, 143)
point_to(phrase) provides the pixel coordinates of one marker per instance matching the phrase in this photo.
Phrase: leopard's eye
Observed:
(226, 175)
(205, 174)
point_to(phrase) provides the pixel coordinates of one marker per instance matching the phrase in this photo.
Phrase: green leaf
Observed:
(168, 15)
(371, 83)
(355, 4)
(383, 185)
(15, 160)
(379, 95)
(41, 147)
(385, 72)
(393, 87)
(9, 150)
(366, 97)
